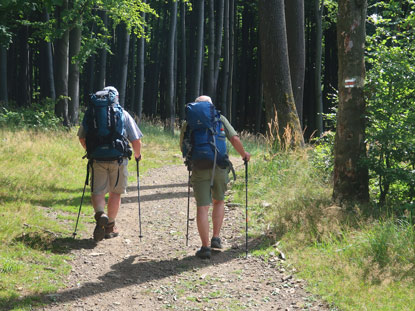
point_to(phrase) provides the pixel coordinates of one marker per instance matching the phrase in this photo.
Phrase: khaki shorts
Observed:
(201, 185)
(104, 175)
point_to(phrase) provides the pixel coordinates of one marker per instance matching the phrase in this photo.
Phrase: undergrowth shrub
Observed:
(37, 116)
(390, 91)
(288, 194)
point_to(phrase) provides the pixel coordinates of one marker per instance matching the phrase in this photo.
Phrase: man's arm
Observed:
(82, 140)
(237, 144)
(137, 148)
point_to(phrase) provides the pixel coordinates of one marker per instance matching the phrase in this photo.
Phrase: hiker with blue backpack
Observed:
(105, 133)
(203, 145)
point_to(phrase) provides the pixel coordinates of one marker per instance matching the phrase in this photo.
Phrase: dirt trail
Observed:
(160, 272)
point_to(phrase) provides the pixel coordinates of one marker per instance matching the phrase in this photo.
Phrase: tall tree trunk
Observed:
(318, 6)
(130, 100)
(276, 74)
(294, 14)
(350, 176)
(243, 70)
(197, 68)
(49, 63)
(73, 82)
(183, 67)
(3, 75)
(61, 78)
(225, 82)
(140, 73)
(211, 49)
(24, 73)
(231, 111)
(218, 46)
(102, 67)
(170, 105)
(124, 65)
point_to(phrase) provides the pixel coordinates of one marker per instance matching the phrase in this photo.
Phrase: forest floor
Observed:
(159, 272)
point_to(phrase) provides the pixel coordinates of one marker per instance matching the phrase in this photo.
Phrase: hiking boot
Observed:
(101, 221)
(111, 230)
(203, 253)
(215, 242)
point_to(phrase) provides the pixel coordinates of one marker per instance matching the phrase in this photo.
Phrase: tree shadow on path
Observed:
(136, 271)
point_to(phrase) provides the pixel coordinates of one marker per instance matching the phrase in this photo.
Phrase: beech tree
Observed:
(294, 11)
(61, 65)
(350, 175)
(170, 69)
(276, 78)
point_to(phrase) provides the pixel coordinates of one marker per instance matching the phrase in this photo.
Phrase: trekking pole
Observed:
(246, 208)
(188, 208)
(138, 195)
(82, 199)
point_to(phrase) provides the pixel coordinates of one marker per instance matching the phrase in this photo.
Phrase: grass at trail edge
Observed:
(41, 182)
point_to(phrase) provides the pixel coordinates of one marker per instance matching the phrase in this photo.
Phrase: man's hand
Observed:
(246, 157)
(137, 158)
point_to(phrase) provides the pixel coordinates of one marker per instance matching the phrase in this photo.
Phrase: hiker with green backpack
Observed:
(105, 133)
(203, 145)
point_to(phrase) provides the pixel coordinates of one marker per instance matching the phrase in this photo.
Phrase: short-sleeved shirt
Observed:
(132, 132)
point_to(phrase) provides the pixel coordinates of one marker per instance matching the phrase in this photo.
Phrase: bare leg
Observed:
(203, 224)
(217, 216)
(114, 201)
(98, 202)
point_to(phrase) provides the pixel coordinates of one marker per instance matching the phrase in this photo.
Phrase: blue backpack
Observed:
(104, 125)
(204, 143)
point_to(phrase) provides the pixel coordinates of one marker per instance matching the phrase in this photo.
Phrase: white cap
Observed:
(111, 88)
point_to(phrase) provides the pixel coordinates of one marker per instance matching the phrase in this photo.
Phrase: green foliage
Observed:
(286, 193)
(41, 184)
(353, 262)
(322, 157)
(390, 92)
(39, 116)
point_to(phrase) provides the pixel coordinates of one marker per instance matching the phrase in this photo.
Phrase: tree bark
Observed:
(318, 8)
(124, 65)
(197, 68)
(218, 46)
(140, 73)
(73, 81)
(225, 71)
(24, 73)
(61, 78)
(231, 111)
(183, 58)
(276, 77)
(103, 58)
(294, 11)
(3, 75)
(211, 50)
(171, 115)
(350, 176)
(49, 63)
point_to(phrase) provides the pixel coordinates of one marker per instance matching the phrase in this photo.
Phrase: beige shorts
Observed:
(109, 176)
(201, 185)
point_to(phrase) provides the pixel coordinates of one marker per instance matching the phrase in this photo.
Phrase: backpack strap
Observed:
(214, 159)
